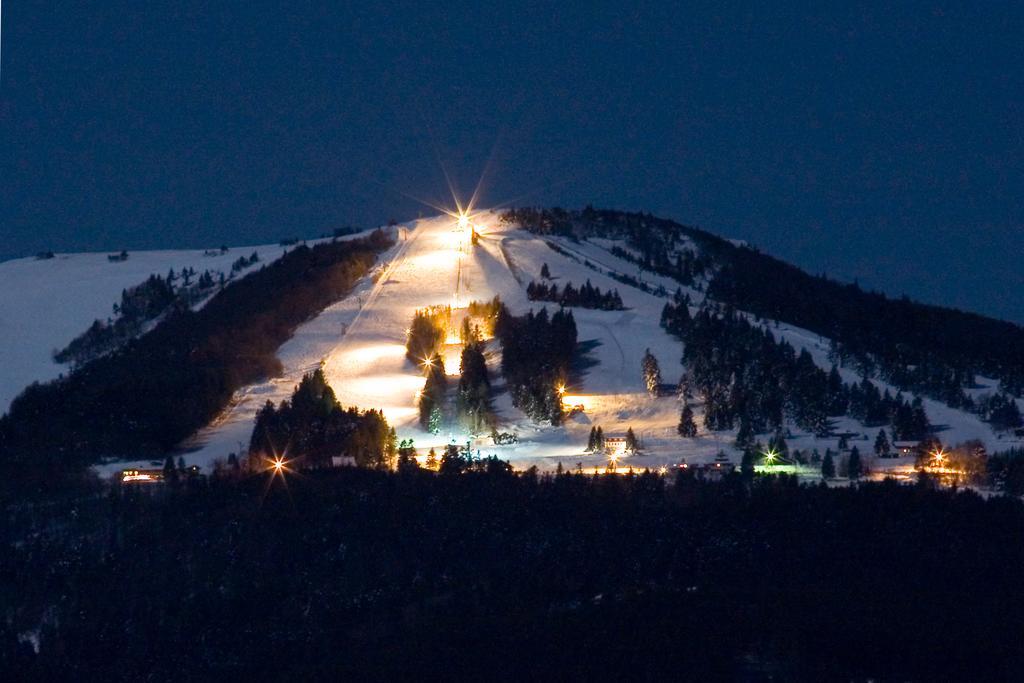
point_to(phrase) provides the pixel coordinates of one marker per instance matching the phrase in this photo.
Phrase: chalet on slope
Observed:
(615, 445)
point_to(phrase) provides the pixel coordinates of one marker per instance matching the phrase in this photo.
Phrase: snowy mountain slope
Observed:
(359, 341)
(954, 426)
(435, 265)
(613, 390)
(311, 345)
(44, 304)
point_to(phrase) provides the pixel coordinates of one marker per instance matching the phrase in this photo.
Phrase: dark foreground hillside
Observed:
(364, 574)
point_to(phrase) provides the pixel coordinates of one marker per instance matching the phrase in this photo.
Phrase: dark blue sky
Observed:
(882, 143)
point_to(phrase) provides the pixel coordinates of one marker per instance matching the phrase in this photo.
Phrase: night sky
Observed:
(870, 142)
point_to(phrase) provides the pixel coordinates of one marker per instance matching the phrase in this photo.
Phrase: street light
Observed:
(278, 465)
(613, 461)
(769, 457)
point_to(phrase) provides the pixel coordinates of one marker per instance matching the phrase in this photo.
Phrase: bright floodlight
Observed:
(769, 457)
(463, 221)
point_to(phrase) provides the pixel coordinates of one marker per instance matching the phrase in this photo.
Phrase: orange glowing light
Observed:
(278, 465)
(613, 461)
(136, 475)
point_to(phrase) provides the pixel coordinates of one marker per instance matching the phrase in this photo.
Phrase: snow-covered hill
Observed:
(434, 264)
(359, 342)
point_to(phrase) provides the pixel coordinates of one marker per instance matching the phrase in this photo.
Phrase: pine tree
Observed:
(745, 434)
(390, 447)
(434, 424)
(747, 464)
(684, 387)
(652, 373)
(407, 461)
(452, 460)
(170, 471)
(599, 440)
(631, 443)
(854, 467)
(687, 427)
(432, 460)
(882, 447)
(592, 440)
(407, 456)
(828, 466)
(545, 272)
(777, 444)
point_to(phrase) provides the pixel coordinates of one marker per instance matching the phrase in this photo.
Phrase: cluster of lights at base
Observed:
(940, 464)
(139, 476)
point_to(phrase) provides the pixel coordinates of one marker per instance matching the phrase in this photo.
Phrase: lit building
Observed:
(902, 448)
(615, 445)
(144, 476)
(153, 475)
